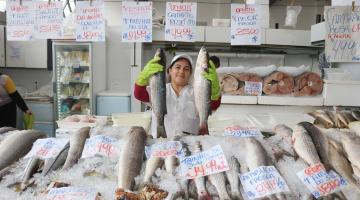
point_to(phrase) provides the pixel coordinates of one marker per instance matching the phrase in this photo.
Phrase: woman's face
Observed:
(180, 72)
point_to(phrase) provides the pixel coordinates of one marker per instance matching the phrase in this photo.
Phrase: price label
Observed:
(263, 181)
(320, 182)
(208, 162)
(165, 149)
(101, 145)
(47, 148)
(238, 131)
(253, 88)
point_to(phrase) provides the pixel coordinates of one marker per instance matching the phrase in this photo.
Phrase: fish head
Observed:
(202, 61)
(160, 53)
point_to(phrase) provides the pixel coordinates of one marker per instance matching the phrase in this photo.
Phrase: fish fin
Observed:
(203, 129)
(161, 132)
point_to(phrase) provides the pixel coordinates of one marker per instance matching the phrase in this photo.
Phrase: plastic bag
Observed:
(292, 13)
(29, 121)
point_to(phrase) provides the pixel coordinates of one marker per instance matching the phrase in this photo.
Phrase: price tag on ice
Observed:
(253, 88)
(165, 149)
(47, 148)
(320, 182)
(101, 145)
(263, 181)
(238, 131)
(71, 193)
(207, 162)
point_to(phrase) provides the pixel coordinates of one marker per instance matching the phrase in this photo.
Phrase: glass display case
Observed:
(73, 79)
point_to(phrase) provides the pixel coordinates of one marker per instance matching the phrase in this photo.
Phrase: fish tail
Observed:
(161, 131)
(203, 129)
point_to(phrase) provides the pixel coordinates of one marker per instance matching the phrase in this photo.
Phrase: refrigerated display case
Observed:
(73, 78)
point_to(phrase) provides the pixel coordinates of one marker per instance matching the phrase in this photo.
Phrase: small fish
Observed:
(347, 116)
(16, 145)
(131, 157)
(158, 95)
(304, 146)
(323, 118)
(31, 168)
(77, 143)
(355, 126)
(218, 180)
(233, 178)
(152, 164)
(319, 140)
(356, 114)
(202, 91)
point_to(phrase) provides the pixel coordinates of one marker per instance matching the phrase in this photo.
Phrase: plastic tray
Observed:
(132, 119)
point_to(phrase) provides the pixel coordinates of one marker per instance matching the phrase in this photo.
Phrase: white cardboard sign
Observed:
(238, 131)
(49, 19)
(47, 148)
(253, 88)
(71, 193)
(20, 20)
(165, 149)
(101, 145)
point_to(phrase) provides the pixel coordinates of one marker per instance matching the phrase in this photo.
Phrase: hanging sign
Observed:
(342, 39)
(20, 20)
(344, 2)
(245, 24)
(320, 182)
(90, 22)
(136, 21)
(207, 162)
(101, 145)
(180, 21)
(165, 149)
(49, 19)
(263, 181)
(47, 148)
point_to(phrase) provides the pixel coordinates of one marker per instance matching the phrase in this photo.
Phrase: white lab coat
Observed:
(181, 113)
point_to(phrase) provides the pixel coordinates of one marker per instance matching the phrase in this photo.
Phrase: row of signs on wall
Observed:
(44, 20)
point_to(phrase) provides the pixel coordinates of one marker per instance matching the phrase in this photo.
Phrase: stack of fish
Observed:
(336, 119)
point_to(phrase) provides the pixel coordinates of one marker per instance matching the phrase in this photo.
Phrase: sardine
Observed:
(152, 164)
(77, 143)
(322, 117)
(6, 129)
(158, 95)
(341, 165)
(320, 141)
(233, 178)
(202, 91)
(131, 157)
(218, 180)
(17, 145)
(55, 163)
(200, 181)
(304, 146)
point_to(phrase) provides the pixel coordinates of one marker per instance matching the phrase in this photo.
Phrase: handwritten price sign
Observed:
(263, 181)
(238, 131)
(47, 148)
(165, 149)
(20, 20)
(320, 182)
(71, 193)
(90, 22)
(180, 21)
(208, 162)
(245, 24)
(49, 19)
(136, 21)
(100, 145)
(253, 88)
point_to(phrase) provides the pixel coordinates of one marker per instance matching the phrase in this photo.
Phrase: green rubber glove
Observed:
(151, 68)
(215, 85)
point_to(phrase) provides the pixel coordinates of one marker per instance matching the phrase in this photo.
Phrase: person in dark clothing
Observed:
(9, 98)
(216, 61)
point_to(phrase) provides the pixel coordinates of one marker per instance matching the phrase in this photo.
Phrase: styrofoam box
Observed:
(100, 120)
(132, 119)
(221, 22)
(341, 93)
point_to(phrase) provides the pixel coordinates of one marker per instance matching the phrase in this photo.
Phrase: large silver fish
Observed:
(55, 163)
(304, 146)
(200, 181)
(351, 145)
(281, 142)
(152, 164)
(131, 157)
(6, 129)
(218, 180)
(31, 168)
(356, 114)
(17, 145)
(158, 95)
(256, 155)
(320, 141)
(77, 143)
(233, 178)
(202, 91)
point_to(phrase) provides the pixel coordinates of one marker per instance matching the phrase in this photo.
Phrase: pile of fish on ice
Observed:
(336, 149)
